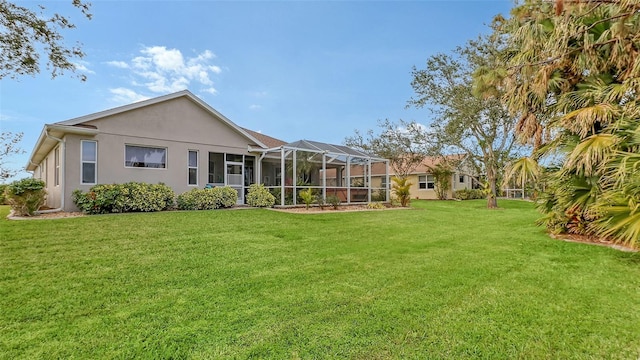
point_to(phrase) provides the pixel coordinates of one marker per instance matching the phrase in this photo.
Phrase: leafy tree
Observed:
(404, 143)
(479, 126)
(9, 146)
(573, 79)
(442, 173)
(24, 33)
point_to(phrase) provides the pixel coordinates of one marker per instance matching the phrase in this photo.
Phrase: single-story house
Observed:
(424, 182)
(181, 141)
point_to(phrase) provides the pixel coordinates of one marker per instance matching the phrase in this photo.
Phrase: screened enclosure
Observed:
(328, 170)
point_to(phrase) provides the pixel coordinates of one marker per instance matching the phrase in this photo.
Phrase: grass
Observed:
(444, 280)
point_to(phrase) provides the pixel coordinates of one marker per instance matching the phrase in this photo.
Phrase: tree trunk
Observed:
(492, 197)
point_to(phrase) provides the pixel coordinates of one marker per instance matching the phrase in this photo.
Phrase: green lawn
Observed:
(443, 280)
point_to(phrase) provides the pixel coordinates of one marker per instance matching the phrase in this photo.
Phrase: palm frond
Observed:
(590, 155)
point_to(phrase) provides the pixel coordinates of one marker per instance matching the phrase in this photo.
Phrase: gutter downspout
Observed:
(62, 167)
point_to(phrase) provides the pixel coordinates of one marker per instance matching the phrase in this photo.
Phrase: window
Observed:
(44, 169)
(145, 157)
(89, 160)
(193, 167)
(56, 158)
(383, 183)
(426, 182)
(216, 168)
(461, 179)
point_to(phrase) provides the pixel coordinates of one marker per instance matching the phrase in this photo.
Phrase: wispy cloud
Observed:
(161, 70)
(82, 66)
(255, 107)
(126, 96)
(118, 64)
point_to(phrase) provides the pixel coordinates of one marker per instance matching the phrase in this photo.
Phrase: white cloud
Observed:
(211, 91)
(126, 96)
(255, 107)
(161, 70)
(82, 67)
(118, 64)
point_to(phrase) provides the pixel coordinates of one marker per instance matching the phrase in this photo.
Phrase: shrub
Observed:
(468, 194)
(227, 196)
(128, 197)
(288, 195)
(307, 197)
(401, 189)
(26, 196)
(207, 199)
(3, 196)
(334, 201)
(321, 201)
(376, 205)
(379, 195)
(259, 196)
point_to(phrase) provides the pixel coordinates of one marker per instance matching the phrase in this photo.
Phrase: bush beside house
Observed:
(207, 199)
(128, 197)
(25, 196)
(259, 196)
(469, 194)
(143, 197)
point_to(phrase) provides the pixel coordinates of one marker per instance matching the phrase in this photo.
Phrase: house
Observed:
(178, 140)
(424, 182)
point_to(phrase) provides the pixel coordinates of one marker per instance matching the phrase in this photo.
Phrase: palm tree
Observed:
(572, 74)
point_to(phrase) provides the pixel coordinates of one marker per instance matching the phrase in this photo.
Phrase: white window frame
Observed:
(56, 157)
(427, 180)
(166, 157)
(461, 178)
(431, 180)
(82, 162)
(190, 167)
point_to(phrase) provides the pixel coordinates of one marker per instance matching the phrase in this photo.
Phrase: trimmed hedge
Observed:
(468, 194)
(207, 199)
(259, 196)
(26, 196)
(128, 197)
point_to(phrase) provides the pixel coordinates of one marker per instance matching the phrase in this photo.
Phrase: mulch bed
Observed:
(592, 241)
(46, 215)
(330, 209)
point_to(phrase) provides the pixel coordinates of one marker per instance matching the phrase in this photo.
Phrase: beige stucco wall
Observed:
(430, 194)
(46, 171)
(179, 125)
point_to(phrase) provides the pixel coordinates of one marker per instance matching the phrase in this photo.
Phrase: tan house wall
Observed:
(430, 194)
(177, 125)
(46, 171)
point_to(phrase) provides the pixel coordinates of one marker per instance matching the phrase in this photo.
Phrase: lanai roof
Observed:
(317, 146)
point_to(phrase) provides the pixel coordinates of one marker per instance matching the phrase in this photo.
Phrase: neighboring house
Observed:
(424, 182)
(176, 139)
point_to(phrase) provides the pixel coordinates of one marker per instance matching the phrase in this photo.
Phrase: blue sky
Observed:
(290, 69)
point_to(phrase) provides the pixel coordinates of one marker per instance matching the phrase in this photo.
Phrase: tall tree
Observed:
(25, 33)
(479, 126)
(404, 143)
(573, 79)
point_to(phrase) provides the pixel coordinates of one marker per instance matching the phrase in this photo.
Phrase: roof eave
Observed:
(46, 141)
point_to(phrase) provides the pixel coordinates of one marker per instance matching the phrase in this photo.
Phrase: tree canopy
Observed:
(572, 76)
(479, 126)
(404, 143)
(25, 34)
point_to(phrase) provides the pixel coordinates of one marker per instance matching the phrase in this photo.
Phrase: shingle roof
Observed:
(269, 141)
